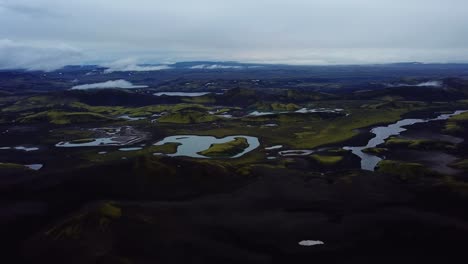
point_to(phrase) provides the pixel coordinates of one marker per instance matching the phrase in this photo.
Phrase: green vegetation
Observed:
(64, 118)
(109, 210)
(422, 144)
(404, 170)
(95, 219)
(453, 128)
(140, 111)
(82, 141)
(38, 102)
(455, 124)
(188, 117)
(339, 129)
(463, 164)
(12, 166)
(301, 131)
(207, 99)
(375, 151)
(276, 107)
(168, 148)
(227, 149)
(327, 160)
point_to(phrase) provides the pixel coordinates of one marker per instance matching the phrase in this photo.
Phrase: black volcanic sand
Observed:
(204, 214)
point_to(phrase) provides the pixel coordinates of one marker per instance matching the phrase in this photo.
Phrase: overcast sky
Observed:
(46, 34)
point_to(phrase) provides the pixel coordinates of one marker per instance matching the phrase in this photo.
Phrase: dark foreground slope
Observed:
(361, 217)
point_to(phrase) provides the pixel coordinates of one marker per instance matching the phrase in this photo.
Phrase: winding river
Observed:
(368, 161)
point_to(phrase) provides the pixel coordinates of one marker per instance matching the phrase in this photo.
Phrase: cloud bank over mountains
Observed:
(123, 84)
(16, 55)
(127, 65)
(45, 34)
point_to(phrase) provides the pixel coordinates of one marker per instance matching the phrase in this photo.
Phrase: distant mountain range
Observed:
(213, 76)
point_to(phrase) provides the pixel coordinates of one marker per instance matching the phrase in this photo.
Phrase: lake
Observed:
(191, 145)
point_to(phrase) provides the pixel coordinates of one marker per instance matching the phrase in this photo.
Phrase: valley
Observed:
(124, 175)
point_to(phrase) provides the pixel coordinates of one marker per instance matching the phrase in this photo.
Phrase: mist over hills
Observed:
(208, 75)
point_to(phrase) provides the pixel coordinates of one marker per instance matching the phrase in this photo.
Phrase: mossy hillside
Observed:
(326, 160)
(405, 171)
(188, 117)
(335, 130)
(393, 102)
(302, 131)
(227, 149)
(96, 218)
(59, 135)
(375, 151)
(453, 128)
(206, 99)
(463, 117)
(264, 106)
(420, 144)
(64, 118)
(70, 104)
(457, 124)
(462, 164)
(39, 102)
(94, 156)
(82, 141)
(145, 111)
(12, 166)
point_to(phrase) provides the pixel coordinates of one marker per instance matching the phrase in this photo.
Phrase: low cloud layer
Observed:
(127, 65)
(122, 84)
(214, 67)
(17, 55)
(423, 84)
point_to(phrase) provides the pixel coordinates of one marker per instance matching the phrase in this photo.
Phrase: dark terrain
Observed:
(87, 206)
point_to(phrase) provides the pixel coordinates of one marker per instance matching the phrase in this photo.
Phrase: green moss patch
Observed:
(188, 117)
(375, 151)
(454, 124)
(404, 170)
(228, 149)
(82, 141)
(12, 166)
(64, 118)
(277, 107)
(326, 160)
(421, 144)
(168, 148)
(92, 220)
(463, 164)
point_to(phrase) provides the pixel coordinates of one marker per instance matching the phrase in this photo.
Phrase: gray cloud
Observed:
(15, 55)
(123, 84)
(214, 67)
(293, 31)
(29, 9)
(131, 64)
